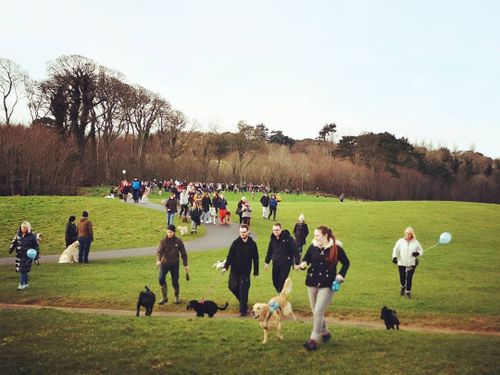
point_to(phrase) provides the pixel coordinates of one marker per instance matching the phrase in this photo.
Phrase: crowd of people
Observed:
(201, 203)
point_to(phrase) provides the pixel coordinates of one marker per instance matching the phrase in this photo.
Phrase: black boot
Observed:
(402, 291)
(408, 294)
(164, 295)
(177, 299)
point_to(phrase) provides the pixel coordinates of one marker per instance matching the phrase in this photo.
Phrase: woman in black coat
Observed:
(71, 235)
(301, 231)
(23, 241)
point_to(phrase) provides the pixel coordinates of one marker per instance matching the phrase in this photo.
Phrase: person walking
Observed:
(282, 251)
(246, 212)
(322, 258)
(206, 203)
(168, 256)
(171, 206)
(300, 231)
(242, 253)
(222, 202)
(136, 189)
(23, 241)
(85, 233)
(195, 214)
(273, 207)
(264, 201)
(404, 255)
(184, 202)
(71, 235)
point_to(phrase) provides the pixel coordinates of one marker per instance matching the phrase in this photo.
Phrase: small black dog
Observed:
(147, 299)
(205, 307)
(390, 318)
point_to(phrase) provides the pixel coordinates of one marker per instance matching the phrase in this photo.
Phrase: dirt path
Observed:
(218, 236)
(224, 315)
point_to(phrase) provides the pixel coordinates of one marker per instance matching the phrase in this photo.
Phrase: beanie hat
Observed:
(72, 218)
(171, 227)
(85, 214)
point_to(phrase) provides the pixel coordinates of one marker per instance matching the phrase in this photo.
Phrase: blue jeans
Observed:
(170, 218)
(83, 249)
(23, 278)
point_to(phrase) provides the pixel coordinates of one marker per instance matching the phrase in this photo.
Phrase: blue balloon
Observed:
(31, 253)
(444, 238)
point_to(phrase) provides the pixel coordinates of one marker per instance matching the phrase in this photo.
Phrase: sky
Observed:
(426, 70)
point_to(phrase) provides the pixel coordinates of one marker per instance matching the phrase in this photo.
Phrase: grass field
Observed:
(455, 287)
(63, 343)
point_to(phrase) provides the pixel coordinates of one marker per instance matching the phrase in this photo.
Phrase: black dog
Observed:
(390, 318)
(147, 299)
(205, 307)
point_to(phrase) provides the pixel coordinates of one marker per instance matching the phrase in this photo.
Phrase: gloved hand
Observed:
(395, 260)
(415, 253)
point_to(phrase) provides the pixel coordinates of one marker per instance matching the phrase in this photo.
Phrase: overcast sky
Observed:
(427, 70)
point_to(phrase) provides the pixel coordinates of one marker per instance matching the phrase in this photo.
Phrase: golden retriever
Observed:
(70, 255)
(269, 314)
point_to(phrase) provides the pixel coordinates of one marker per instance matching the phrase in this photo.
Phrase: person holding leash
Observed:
(242, 252)
(167, 258)
(322, 258)
(404, 255)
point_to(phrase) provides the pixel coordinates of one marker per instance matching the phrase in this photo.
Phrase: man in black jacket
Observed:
(242, 252)
(264, 201)
(282, 250)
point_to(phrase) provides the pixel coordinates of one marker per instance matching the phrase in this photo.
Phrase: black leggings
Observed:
(174, 273)
(406, 277)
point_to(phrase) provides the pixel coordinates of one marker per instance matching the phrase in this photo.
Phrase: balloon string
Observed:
(437, 243)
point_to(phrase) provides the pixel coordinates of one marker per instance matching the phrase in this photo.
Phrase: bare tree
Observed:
(12, 78)
(174, 136)
(37, 105)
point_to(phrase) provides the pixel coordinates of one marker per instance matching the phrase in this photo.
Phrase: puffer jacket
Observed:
(403, 251)
(21, 245)
(320, 274)
(282, 250)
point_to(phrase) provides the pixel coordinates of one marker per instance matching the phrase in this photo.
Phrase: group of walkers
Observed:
(284, 251)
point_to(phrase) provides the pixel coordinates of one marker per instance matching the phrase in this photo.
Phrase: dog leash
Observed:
(210, 288)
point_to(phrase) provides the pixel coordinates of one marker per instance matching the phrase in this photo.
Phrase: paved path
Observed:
(218, 236)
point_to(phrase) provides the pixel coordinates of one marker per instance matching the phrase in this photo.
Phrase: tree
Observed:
(173, 134)
(246, 143)
(12, 79)
(222, 146)
(327, 132)
(278, 137)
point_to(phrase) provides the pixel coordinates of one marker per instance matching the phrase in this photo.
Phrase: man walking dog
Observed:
(283, 251)
(167, 258)
(242, 252)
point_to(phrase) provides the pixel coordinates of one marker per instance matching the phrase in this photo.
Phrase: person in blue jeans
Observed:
(23, 241)
(171, 206)
(273, 207)
(85, 233)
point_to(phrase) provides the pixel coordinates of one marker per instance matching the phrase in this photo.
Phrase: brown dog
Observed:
(269, 314)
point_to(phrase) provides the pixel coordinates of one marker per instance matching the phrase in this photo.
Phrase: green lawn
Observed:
(60, 342)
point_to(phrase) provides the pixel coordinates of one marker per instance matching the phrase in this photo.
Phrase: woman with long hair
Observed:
(322, 258)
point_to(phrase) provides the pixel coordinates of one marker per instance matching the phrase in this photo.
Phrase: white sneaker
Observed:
(20, 287)
(25, 286)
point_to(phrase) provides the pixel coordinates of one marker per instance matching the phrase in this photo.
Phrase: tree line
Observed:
(88, 124)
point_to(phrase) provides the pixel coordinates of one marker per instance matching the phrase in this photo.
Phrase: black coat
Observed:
(319, 273)
(300, 231)
(264, 201)
(21, 245)
(240, 257)
(71, 234)
(283, 250)
(171, 205)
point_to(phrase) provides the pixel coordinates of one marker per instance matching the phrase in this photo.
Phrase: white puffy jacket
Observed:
(403, 250)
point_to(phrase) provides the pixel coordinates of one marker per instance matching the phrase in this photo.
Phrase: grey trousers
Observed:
(319, 299)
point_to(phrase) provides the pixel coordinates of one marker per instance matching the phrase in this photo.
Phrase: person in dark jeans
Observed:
(71, 235)
(300, 231)
(167, 258)
(242, 252)
(282, 250)
(85, 237)
(404, 255)
(273, 207)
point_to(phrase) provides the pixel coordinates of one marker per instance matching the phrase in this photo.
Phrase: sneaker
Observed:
(408, 294)
(402, 291)
(177, 300)
(20, 287)
(310, 345)
(163, 301)
(326, 337)
(243, 313)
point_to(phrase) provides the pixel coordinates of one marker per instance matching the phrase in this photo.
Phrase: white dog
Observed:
(110, 196)
(213, 214)
(183, 230)
(70, 255)
(219, 264)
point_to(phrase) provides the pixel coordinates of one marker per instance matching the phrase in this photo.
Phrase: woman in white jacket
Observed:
(405, 254)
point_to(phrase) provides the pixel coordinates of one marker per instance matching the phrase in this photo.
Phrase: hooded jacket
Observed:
(21, 245)
(403, 252)
(283, 250)
(169, 250)
(320, 274)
